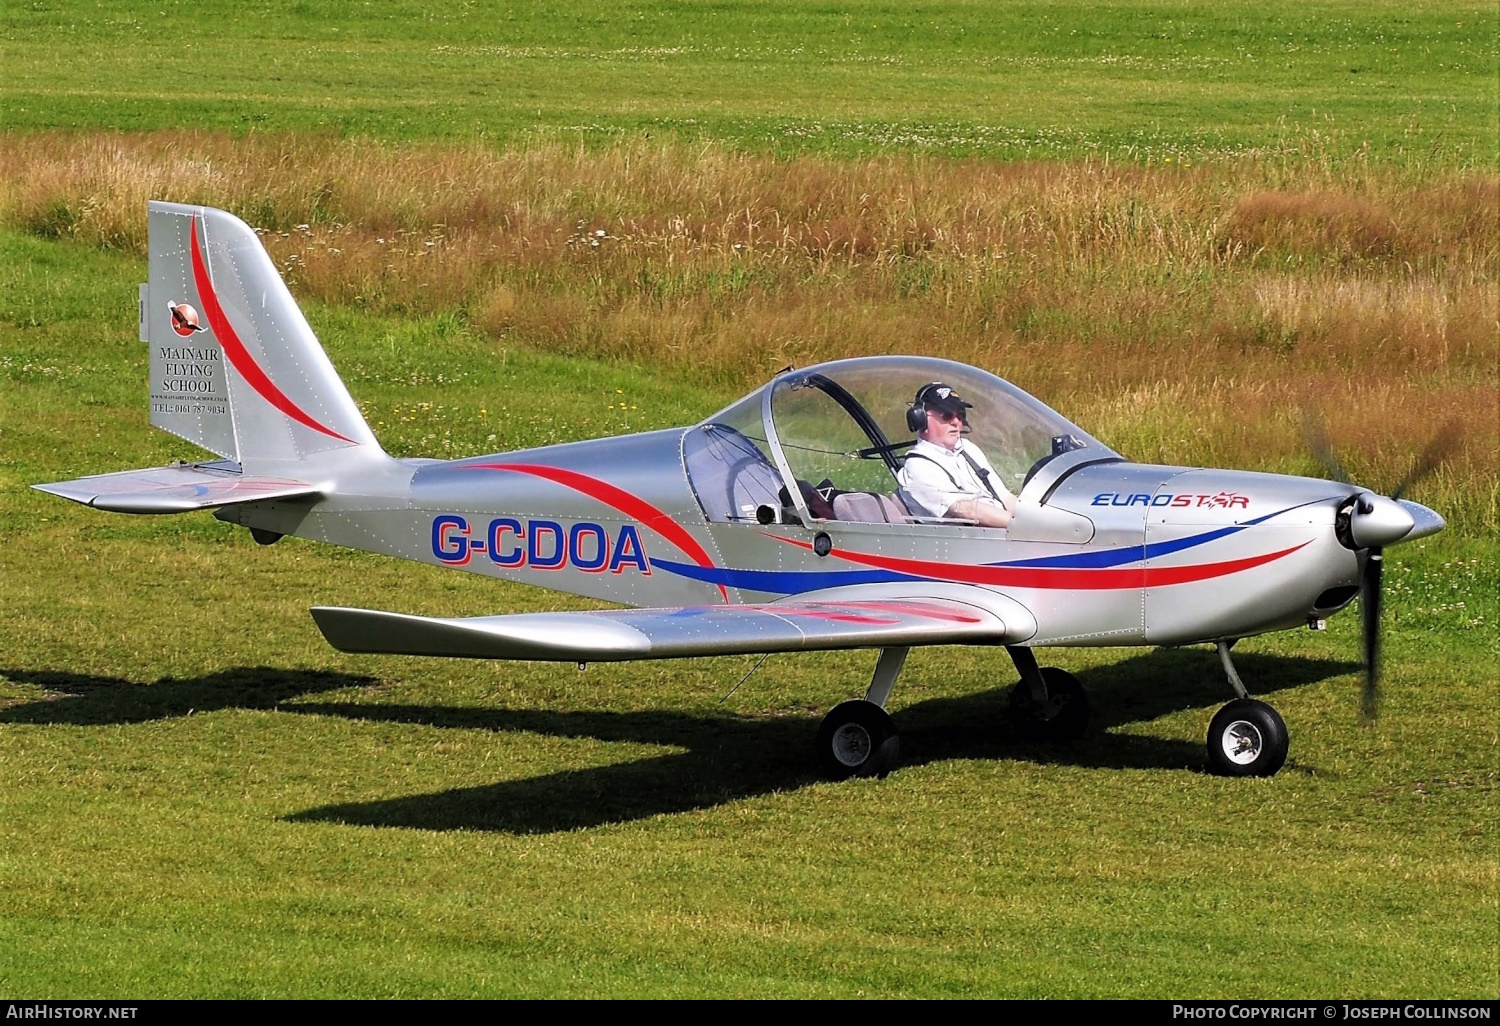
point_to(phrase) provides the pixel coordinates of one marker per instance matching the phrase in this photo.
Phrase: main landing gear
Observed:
(1048, 704)
(859, 739)
(1247, 738)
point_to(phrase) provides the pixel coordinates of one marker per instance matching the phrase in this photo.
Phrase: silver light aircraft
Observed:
(778, 524)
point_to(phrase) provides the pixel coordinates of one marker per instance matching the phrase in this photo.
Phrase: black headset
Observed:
(916, 413)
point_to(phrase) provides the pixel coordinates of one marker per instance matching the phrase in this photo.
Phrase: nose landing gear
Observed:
(1247, 738)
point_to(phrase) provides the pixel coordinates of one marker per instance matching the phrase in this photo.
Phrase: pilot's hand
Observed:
(986, 514)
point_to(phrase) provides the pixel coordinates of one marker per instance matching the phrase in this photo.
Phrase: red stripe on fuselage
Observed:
(614, 496)
(239, 356)
(1055, 578)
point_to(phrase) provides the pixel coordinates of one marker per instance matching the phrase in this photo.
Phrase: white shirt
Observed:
(944, 477)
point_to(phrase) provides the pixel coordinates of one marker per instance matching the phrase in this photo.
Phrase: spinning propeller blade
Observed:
(1316, 435)
(1442, 445)
(1369, 607)
(1437, 452)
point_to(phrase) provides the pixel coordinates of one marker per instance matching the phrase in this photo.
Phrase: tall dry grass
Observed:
(1185, 313)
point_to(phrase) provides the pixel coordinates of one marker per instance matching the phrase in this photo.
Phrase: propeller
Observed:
(1442, 446)
(1370, 522)
(1369, 614)
(1316, 436)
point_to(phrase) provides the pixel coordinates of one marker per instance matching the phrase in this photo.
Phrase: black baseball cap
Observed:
(938, 396)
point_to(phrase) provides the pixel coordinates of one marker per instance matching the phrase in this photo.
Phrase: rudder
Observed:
(235, 368)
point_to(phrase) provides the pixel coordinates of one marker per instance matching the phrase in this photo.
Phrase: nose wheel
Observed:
(1247, 738)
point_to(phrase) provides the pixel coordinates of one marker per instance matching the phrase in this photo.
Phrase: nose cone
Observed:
(1427, 521)
(1378, 521)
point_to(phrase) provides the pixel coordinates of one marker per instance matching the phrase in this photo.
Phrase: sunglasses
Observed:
(947, 417)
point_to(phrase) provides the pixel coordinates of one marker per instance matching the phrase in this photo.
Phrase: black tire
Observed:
(1062, 719)
(1247, 739)
(858, 739)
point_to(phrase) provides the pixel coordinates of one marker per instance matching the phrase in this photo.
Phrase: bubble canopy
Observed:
(845, 422)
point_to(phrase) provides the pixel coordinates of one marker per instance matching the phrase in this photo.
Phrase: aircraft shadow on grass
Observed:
(729, 757)
(726, 758)
(82, 700)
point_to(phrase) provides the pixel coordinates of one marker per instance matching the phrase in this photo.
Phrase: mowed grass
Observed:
(198, 797)
(1403, 83)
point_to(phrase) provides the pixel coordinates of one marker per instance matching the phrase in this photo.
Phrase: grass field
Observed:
(1412, 84)
(199, 798)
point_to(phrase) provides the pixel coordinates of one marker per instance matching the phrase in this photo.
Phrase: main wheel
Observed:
(1062, 718)
(1247, 739)
(858, 739)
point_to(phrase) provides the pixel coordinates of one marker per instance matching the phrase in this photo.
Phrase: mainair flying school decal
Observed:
(187, 379)
(1089, 549)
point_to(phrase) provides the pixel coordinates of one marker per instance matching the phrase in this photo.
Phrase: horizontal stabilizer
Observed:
(620, 634)
(179, 488)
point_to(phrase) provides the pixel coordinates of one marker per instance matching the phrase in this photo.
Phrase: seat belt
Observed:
(983, 475)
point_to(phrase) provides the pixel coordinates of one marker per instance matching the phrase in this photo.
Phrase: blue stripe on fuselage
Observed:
(794, 582)
(1132, 553)
(1118, 557)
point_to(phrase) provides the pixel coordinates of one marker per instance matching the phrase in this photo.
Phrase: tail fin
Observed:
(234, 366)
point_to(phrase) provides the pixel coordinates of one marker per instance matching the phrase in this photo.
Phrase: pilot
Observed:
(946, 475)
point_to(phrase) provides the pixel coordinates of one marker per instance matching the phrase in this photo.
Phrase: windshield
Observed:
(729, 466)
(842, 426)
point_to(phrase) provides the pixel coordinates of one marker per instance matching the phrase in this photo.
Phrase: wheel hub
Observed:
(1242, 742)
(852, 745)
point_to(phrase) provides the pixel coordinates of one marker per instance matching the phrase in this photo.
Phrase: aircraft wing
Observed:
(804, 624)
(179, 488)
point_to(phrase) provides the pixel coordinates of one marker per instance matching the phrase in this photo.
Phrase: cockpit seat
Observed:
(868, 508)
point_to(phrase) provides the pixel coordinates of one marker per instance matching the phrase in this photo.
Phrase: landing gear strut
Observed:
(1247, 738)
